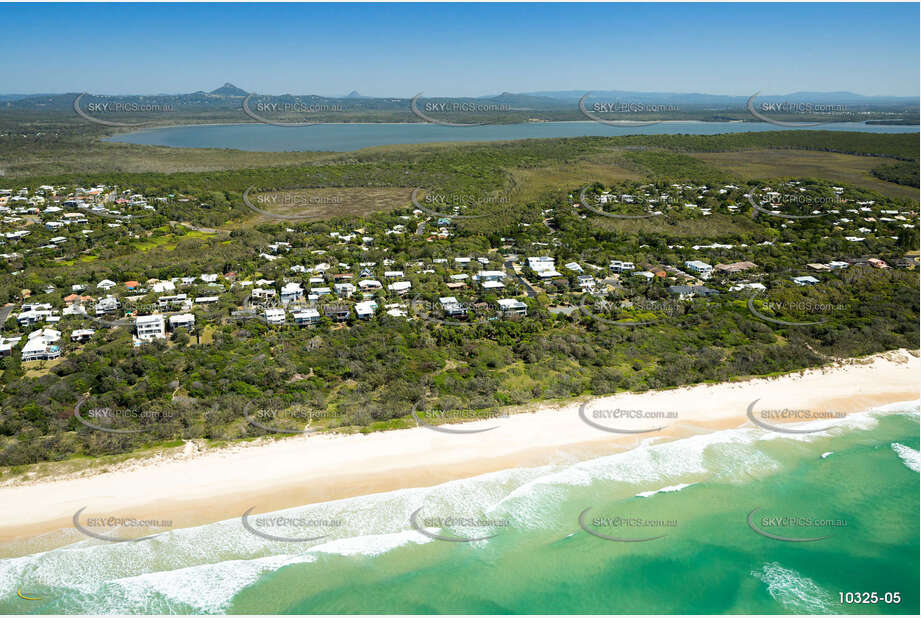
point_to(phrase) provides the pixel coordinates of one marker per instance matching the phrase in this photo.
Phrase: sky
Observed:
(460, 49)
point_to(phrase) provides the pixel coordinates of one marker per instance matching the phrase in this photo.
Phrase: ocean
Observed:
(355, 136)
(681, 526)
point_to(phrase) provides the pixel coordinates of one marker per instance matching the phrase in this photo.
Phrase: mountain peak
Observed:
(229, 90)
(354, 95)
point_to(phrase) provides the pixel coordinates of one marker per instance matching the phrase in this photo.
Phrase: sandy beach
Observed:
(222, 483)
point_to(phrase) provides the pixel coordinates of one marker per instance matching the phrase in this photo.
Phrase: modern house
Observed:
(82, 335)
(365, 310)
(40, 345)
(291, 292)
(510, 306)
(400, 287)
(337, 313)
(806, 280)
(702, 269)
(619, 266)
(345, 290)
(451, 307)
(183, 320)
(275, 316)
(306, 317)
(150, 327)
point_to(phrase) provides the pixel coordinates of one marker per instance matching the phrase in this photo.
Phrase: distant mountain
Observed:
(695, 98)
(355, 95)
(229, 90)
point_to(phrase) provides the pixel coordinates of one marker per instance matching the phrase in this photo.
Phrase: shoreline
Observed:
(222, 483)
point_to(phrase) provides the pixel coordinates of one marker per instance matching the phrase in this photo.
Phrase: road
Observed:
(510, 269)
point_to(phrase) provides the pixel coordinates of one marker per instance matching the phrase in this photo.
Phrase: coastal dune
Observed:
(223, 483)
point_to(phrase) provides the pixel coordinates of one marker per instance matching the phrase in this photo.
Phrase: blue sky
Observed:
(462, 50)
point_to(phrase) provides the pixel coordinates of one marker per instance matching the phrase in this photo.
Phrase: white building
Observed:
(40, 345)
(306, 317)
(275, 316)
(510, 306)
(703, 269)
(291, 292)
(150, 327)
(183, 320)
(365, 310)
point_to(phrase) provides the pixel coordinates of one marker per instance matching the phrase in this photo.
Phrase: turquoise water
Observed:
(696, 491)
(348, 137)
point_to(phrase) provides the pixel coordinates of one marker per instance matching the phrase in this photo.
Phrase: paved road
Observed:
(527, 286)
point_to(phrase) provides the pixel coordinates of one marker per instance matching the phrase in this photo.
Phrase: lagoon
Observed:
(356, 136)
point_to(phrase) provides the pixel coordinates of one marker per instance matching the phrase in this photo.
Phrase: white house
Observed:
(40, 345)
(400, 287)
(369, 285)
(345, 290)
(306, 317)
(275, 316)
(365, 310)
(510, 306)
(703, 269)
(150, 327)
(291, 292)
(807, 280)
(489, 275)
(619, 266)
(183, 320)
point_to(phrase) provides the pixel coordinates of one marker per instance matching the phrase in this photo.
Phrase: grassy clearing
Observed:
(801, 163)
(326, 203)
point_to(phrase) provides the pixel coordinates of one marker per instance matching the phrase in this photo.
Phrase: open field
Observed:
(328, 202)
(801, 163)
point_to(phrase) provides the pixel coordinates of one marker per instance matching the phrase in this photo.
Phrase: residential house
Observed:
(702, 269)
(274, 316)
(291, 292)
(183, 320)
(150, 327)
(306, 317)
(685, 292)
(337, 313)
(40, 345)
(365, 310)
(511, 306)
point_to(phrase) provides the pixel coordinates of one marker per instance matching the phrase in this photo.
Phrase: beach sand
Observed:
(223, 483)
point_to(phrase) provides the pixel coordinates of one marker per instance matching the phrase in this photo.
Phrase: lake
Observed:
(348, 137)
